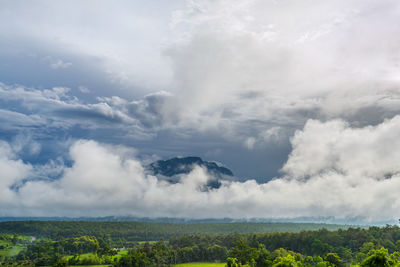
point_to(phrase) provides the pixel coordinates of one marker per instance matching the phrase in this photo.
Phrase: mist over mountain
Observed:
(171, 169)
(185, 165)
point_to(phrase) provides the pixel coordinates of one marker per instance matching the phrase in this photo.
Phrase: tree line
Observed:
(146, 231)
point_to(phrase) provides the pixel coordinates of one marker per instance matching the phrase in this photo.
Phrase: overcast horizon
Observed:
(300, 99)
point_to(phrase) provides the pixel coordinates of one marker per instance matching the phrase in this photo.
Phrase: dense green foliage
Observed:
(49, 252)
(139, 231)
(306, 248)
(308, 242)
(375, 246)
(242, 254)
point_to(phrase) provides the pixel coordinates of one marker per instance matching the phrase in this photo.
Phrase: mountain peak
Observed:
(176, 166)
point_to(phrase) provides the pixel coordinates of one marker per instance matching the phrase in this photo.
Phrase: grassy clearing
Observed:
(201, 264)
(141, 243)
(10, 250)
(87, 256)
(120, 254)
(123, 252)
(82, 256)
(15, 250)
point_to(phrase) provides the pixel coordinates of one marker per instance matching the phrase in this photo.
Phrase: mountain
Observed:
(176, 166)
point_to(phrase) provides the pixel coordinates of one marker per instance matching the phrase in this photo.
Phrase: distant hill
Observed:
(176, 166)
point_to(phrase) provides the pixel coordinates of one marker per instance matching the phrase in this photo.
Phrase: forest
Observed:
(147, 231)
(350, 246)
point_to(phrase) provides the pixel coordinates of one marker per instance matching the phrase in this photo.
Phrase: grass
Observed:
(15, 250)
(123, 252)
(201, 264)
(82, 256)
(141, 243)
(119, 254)
(11, 251)
(87, 256)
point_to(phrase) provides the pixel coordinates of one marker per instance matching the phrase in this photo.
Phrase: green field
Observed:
(83, 256)
(9, 249)
(123, 252)
(201, 264)
(13, 251)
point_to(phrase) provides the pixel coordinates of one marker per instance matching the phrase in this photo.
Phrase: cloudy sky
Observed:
(300, 99)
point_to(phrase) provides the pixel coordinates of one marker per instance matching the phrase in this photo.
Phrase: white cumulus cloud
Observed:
(333, 170)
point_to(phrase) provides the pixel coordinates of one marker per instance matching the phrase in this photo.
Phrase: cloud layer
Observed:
(333, 170)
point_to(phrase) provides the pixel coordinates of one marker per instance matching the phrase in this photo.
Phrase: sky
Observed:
(300, 99)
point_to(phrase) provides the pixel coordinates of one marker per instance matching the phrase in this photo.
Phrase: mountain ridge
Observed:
(184, 165)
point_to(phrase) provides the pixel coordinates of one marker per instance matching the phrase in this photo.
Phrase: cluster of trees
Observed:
(162, 254)
(242, 254)
(7, 240)
(343, 242)
(306, 248)
(47, 252)
(12, 239)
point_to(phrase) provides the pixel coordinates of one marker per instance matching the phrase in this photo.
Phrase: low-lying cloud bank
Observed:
(333, 170)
